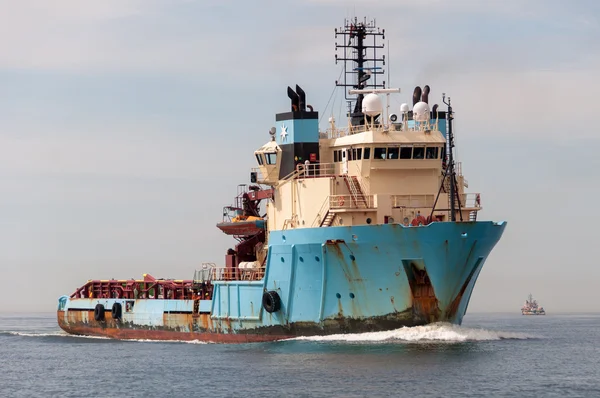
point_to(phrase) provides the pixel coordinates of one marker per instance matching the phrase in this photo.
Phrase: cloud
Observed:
(109, 36)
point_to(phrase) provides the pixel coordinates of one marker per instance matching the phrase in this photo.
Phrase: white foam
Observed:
(55, 334)
(167, 341)
(64, 334)
(437, 332)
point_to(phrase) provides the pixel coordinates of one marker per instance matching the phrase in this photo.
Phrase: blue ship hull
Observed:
(330, 280)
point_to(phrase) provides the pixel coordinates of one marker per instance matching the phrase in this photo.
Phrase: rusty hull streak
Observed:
(425, 303)
(340, 308)
(353, 276)
(122, 331)
(453, 307)
(393, 303)
(352, 273)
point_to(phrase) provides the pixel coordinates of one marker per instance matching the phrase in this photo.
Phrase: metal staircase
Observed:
(328, 219)
(473, 216)
(356, 192)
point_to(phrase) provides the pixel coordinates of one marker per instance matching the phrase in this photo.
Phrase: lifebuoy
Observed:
(99, 312)
(340, 201)
(117, 310)
(271, 301)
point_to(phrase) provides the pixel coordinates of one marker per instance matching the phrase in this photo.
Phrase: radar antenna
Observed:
(363, 69)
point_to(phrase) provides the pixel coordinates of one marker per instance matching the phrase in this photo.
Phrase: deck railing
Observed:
(338, 132)
(350, 202)
(211, 272)
(471, 200)
(413, 201)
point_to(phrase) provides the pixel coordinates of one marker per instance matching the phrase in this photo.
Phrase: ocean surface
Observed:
(490, 355)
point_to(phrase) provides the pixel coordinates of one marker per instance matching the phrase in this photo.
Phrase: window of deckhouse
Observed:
(431, 152)
(406, 152)
(259, 159)
(392, 153)
(271, 158)
(349, 153)
(380, 153)
(335, 156)
(418, 152)
(367, 153)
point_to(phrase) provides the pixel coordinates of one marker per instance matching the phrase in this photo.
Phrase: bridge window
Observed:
(356, 154)
(392, 153)
(367, 153)
(406, 152)
(335, 156)
(349, 153)
(418, 152)
(259, 159)
(271, 158)
(380, 153)
(431, 152)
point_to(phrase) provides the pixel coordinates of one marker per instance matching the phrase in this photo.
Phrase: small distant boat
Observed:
(531, 307)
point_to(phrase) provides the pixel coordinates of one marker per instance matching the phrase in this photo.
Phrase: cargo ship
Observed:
(360, 228)
(531, 307)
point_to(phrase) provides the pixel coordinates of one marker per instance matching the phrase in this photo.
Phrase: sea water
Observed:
(490, 355)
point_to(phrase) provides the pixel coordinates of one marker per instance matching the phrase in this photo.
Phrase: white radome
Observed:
(421, 112)
(404, 108)
(371, 105)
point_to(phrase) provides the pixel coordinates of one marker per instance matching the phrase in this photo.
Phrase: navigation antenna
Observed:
(450, 171)
(363, 69)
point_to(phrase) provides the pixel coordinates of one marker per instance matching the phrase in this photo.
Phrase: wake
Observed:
(75, 336)
(437, 332)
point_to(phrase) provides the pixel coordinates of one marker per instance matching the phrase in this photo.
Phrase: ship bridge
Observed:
(365, 174)
(384, 167)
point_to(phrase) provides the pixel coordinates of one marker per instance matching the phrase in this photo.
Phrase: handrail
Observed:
(291, 176)
(236, 274)
(365, 183)
(346, 202)
(315, 170)
(291, 222)
(322, 212)
(413, 201)
(337, 132)
(471, 200)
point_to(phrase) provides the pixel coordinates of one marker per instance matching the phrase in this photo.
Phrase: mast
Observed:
(358, 75)
(451, 172)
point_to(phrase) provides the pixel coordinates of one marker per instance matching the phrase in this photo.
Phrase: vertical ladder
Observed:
(450, 199)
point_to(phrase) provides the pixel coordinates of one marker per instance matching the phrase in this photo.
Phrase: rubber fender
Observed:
(117, 310)
(271, 301)
(99, 312)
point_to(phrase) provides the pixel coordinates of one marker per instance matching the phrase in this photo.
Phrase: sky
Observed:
(126, 126)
